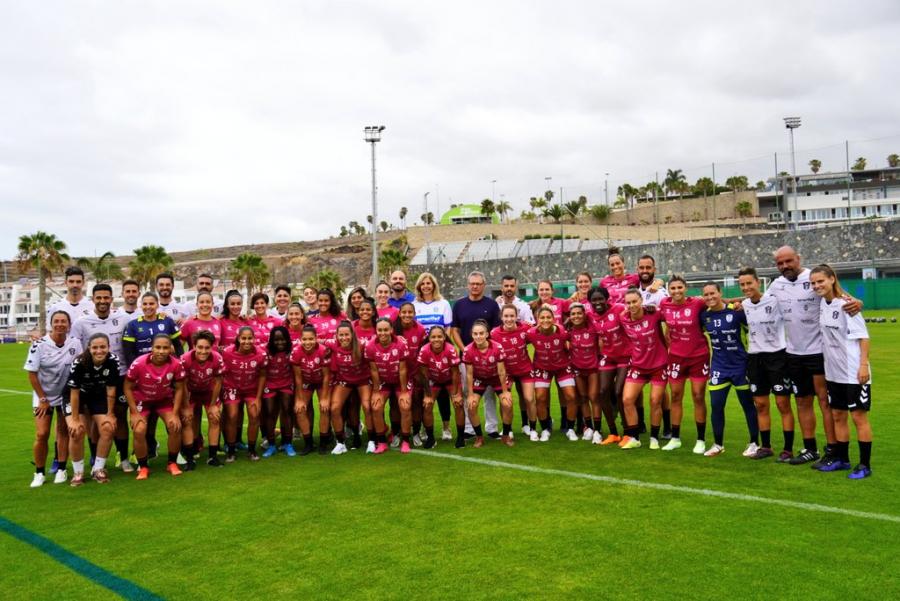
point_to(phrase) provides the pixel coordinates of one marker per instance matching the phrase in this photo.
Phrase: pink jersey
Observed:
(560, 308)
(295, 336)
(686, 337)
(155, 383)
(363, 334)
(311, 364)
(583, 348)
(388, 311)
(615, 343)
(279, 373)
(440, 365)
(415, 337)
(230, 329)
(550, 352)
(195, 324)
(202, 376)
(618, 287)
(484, 362)
(515, 347)
(242, 371)
(343, 369)
(325, 325)
(648, 349)
(262, 327)
(387, 359)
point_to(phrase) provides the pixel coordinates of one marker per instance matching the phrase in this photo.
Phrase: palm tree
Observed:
(487, 208)
(326, 278)
(760, 186)
(572, 208)
(403, 213)
(737, 182)
(893, 160)
(601, 212)
(149, 261)
(674, 177)
(385, 226)
(504, 209)
(583, 203)
(815, 165)
(705, 187)
(744, 209)
(103, 267)
(369, 219)
(45, 253)
(391, 259)
(250, 269)
(859, 165)
(555, 211)
(537, 205)
(344, 232)
(428, 218)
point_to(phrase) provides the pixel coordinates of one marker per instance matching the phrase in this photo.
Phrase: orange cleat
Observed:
(143, 473)
(479, 442)
(173, 469)
(507, 441)
(612, 439)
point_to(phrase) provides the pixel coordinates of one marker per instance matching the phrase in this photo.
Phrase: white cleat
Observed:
(339, 449)
(673, 444)
(180, 460)
(61, 476)
(526, 429)
(545, 435)
(446, 434)
(395, 443)
(654, 444)
(38, 480)
(417, 440)
(570, 434)
(534, 436)
(597, 438)
(714, 450)
(588, 434)
(751, 450)
(126, 466)
(370, 448)
(700, 447)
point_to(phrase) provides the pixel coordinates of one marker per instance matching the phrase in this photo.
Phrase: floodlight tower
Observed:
(373, 136)
(791, 123)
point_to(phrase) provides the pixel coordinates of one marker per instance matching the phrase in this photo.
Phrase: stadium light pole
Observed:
(606, 200)
(373, 136)
(427, 241)
(792, 123)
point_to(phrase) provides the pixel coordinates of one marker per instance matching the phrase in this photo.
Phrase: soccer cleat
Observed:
(654, 444)
(370, 448)
(804, 456)
(826, 455)
(289, 450)
(417, 440)
(833, 465)
(61, 476)
(339, 449)
(180, 460)
(666, 435)
(699, 447)
(570, 434)
(395, 442)
(253, 456)
(508, 441)
(597, 437)
(77, 480)
(355, 441)
(495, 435)
(230, 458)
(751, 450)
(611, 439)
(241, 445)
(404, 447)
(143, 473)
(190, 466)
(380, 448)
(526, 429)
(533, 436)
(630, 443)
(38, 480)
(126, 466)
(714, 450)
(264, 445)
(460, 443)
(270, 450)
(446, 434)
(479, 442)
(672, 445)
(430, 443)
(545, 435)
(859, 472)
(588, 434)
(54, 467)
(100, 476)
(214, 462)
(784, 457)
(762, 453)
(173, 469)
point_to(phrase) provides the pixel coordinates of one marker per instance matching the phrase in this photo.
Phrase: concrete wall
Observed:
(721, 206)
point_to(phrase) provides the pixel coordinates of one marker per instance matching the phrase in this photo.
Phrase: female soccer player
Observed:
(551, 361)
(278, 394)
(312, 374)
(382, 294)
(139, 333)
(413, 333)
(49, 361)
(583, 351)
(92, 384)
(203, 320)
(260, 320)
(329, 316)
(155, 384)
(349, 372)
(584, 281)
(728, 368)
(244, 382)
(618, 282)
(310, 300)
(615, 356)
(485, 369)
(845, 344)
(232, 319)
(364, 324)
(355, 297)
(388, 355)
(512, 336)
(649, 357)
(559, 306)
(203, 368)
(281, 301)
(295, 323)
(439, 367)
(688, 360)
(431, 308)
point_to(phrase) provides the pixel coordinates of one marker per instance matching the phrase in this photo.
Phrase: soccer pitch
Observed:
(552, 520)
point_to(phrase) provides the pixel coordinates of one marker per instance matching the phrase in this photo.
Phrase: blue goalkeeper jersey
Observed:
(140, 331)
(726, 337)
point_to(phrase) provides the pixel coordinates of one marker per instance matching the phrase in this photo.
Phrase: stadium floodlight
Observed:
(372, 136)
(792, 123)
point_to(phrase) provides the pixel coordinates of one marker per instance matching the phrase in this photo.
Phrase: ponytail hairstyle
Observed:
(537, 303)
(228, 295)
(398, 324)
(354, 341)
(613, 251)
(483, 323)
(836, 289)
(85, 357)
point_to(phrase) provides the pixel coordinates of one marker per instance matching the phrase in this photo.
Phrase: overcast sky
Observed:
(198, 124)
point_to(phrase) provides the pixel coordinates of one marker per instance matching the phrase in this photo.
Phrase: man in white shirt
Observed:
(204, 284)
(165, 284)
(509, 285)
(75, 304)
(646, 269)
(281, 301)
(131, 291)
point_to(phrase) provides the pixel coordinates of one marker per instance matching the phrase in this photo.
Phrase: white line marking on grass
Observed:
(8, 391)
(706, 492)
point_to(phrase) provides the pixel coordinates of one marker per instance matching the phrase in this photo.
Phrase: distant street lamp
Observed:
(792, 123)
(373, 136)
(427, 244)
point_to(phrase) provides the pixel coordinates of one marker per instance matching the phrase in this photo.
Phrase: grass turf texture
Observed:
(415, 526)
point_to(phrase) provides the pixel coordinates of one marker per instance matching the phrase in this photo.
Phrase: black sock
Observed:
(93, 446)
(633, 431)
(308, 441)
(532, 424)
(865, 453)
(545, 423)
(507, 428)
(477, 430)
(563, 420)
(122, 448)
(196, 445)
(339, 436)
(789, 440)
(843, 451)
(429, 432)
(654, 432)
(213, 450)
(460, 431)
(232, 447)
(579, 424)
(701, 430)
(810, 445)
(188, 452)
(667, 420)
(525, 419)
(395, 428)
(676, 431)
(39, 470)
(142, 462)
(324, 439)
(766, 436)
(173, 457)
(404, 438)
(417, 426)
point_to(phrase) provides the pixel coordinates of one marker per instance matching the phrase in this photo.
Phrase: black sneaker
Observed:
(214, 462)
(323, 449)
(824, 459)
(667, 435)
(429, 443)
(356, 443)
(460, 443)
(804, 456)
(306, 451)
(762, 453)
(469, 435)
(190, 466)
(494, 435)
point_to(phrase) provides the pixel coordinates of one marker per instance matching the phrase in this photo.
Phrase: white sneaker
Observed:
(126, 466)
(61, 476)
(570, 434)
(526, 429)
(370, 448)
(597, 438)
(588, 434)
(395, 443)
(674, 443)
(180, 460)
(654, 444)
(545, 435)
(38, 480)
(533, 436)
(339, 449)
(700, 447)
(446, 434)
(416, 440)
(751, 450)
(714, 450)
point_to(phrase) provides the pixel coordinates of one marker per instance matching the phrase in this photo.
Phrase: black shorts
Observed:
(801, 369)
(767, 373)
(849, 397)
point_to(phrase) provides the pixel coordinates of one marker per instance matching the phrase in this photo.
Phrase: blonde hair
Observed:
(436, 295)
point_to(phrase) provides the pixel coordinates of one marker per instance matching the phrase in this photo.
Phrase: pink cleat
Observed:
(404, 447)
(381, 448)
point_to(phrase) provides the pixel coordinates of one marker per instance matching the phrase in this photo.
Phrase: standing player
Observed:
(551, 361)
(484, 369)
(545, 298)
(439, 368)
(583, 351)
(310, 300)
(243, 384)
(618, 282)
(165, 284)
(584, 281)
(328, 317)
(413, 333)
(312, 374)
(204, 284)
(232, 319)
(845, 342)
(138, 337)
(203, 319)
(615, 356)
(203, 368)
(131, 293)
(281, 300)
(355, 297)
(382, 308)
(388, 359)
(350, 372)
(431, 308)
(295, 322)
(278, 394)
(74, 304)
(512, 336)
(508, 288)
(260, 320)
(49, 361)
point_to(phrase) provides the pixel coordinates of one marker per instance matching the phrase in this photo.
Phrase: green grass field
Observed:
(424, 526)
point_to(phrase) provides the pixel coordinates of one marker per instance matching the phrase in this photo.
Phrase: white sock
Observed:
(99, 463)
(78, 466)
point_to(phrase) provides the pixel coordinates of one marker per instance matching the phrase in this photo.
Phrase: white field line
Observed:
(706, 492)
(8, 391)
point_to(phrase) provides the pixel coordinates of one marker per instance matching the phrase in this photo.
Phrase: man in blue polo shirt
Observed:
(399, 293)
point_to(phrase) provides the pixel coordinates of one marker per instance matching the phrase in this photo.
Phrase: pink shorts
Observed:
(392, 389)
(158, 408)
(203, 397)
(656, 377)
(680, 369)
(233, 396)
(356, 384)
(564, 377)
(613, 363)
(479, 385)
(268, 393)
(311, 385)
(437, 387)
(585, 372)
(527, 377)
